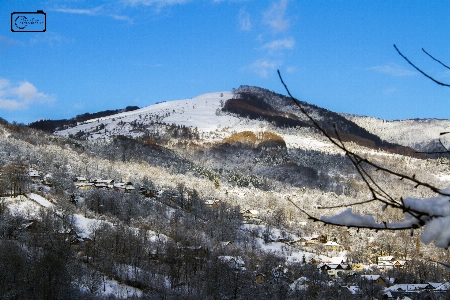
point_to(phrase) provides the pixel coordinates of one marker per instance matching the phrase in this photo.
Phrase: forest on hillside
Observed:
(172, 242)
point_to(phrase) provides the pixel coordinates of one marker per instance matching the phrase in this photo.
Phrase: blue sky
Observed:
(98, 55)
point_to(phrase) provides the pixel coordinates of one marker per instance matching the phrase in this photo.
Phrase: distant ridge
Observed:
(52, 125)
(259, 103)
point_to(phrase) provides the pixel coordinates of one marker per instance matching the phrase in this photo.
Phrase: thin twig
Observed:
(371, 184)
(435, 59)
(349, 152)
(425, 74)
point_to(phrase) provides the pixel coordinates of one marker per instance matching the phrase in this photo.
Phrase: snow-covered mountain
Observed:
(215, 116)
(215, 178)
(251, 132)
(202, 113)
(420, 134)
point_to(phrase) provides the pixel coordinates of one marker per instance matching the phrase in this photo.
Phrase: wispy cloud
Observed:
(10, 42)
(159, 3)
(263, 67)
(21, 95)
(104, 10)
(121, 18)
(291, 69)
(281, 44)
(50, 38)
(91, 11)
(389, 90)
(393, 70)
(244, 20)
(275, 16)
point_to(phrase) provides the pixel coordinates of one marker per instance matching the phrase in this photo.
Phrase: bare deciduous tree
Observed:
(431, 214)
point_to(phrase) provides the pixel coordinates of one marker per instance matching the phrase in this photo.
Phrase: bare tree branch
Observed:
(425, 74)
(378, 193)
(435, 59)
(354, 154)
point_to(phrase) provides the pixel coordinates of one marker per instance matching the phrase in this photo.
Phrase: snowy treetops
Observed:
(432, 214)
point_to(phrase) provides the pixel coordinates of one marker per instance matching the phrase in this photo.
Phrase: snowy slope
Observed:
(199, 112)
(204, 113)
(420, 134)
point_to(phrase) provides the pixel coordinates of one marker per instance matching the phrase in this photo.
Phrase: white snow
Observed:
(434, 212)
(121, 291)
(411, 133)
(350, 219)
(198, 112)
(41, 200)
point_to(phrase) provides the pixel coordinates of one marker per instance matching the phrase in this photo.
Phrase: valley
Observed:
(211, 210)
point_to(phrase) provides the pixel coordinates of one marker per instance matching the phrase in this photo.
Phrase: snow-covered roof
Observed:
(354, 289)
(232, 259)
(409, 287)
(444, 287)
(371, 277)
(385, 258)
(33, 173)
(39, 199)
(330, 243)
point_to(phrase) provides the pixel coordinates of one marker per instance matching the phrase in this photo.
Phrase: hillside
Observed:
(195, 198)
(52, 125)
(419, 134)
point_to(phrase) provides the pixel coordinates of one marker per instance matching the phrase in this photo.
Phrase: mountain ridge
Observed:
(217, 114)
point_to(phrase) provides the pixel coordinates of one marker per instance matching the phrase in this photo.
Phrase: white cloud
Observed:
(99, 10)
(93, 11)
(390, 90)
(50, 38)
(275, 16)
(263, 67)
(21, 96)
(9, 42)
(159, 3)
(393, 69)
(121, 18)
(281, 44)
(291, 69)
(244, 20)
(8, 104)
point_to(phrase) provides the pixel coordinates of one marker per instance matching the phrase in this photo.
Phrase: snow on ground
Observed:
(443, 177)
(86, 225)
(292, 254)
(22, 206)
(197, 112)
(121, 291)
(308, 143)
(41, 200)
(410, 132)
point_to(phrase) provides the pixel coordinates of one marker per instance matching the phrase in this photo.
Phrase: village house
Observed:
(225, 246)
(335, 270)
(400, 290)
(148, 192)
(251, 216)
(250, 213)
(81, 183)
(212, 202)
(34, 176)
(129, 187)
(332, 246)
(235, 262)
(389, 262)
(374, 278)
